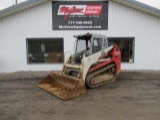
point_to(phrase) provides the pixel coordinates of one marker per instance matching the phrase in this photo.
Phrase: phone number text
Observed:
(80, 22)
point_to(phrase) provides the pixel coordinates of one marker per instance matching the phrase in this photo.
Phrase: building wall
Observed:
(125, 21)
(37, 23)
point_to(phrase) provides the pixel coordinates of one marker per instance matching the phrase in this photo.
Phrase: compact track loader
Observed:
(93, 64)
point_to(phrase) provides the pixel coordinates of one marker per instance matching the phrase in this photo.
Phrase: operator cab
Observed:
(88, 44)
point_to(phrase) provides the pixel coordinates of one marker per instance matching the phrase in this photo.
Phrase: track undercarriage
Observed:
(101, 77)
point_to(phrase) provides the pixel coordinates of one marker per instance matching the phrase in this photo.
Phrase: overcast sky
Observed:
(8, 3)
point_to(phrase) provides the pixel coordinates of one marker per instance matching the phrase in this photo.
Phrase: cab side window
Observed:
(97, 45)
(105, 43)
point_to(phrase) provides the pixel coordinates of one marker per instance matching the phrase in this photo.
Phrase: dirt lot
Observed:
(134, 96)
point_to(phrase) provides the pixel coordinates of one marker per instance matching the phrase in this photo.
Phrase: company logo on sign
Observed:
(68, 10)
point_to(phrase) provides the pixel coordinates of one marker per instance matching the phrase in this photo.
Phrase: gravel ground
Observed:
(132, 75)
(23, 75)
(134, 96)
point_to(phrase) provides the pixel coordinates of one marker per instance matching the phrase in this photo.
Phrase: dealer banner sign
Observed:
(80, 15)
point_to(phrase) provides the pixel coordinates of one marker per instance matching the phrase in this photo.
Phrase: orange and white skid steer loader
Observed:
(93, 64)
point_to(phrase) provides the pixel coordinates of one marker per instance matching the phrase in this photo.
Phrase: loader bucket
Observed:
(62, 86)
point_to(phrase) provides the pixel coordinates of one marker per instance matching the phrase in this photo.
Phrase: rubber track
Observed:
(95, 73)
